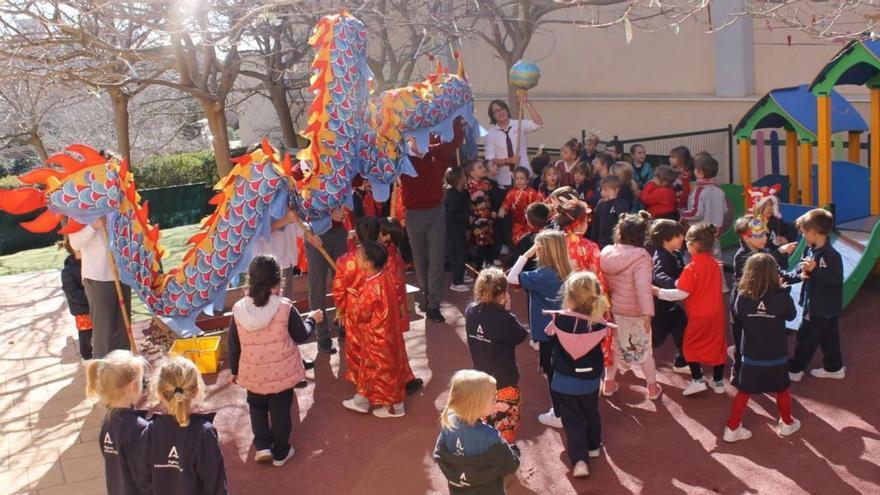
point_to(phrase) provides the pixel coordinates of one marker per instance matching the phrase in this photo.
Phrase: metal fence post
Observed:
(730, 153)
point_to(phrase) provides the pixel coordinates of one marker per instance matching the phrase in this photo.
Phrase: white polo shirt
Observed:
(282, 245)
(495, 146)
(94, 254)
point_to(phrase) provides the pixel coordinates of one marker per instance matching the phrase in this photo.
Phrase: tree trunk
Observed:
(36, 142)
(278, 95)
(215, 113)
(119, 99)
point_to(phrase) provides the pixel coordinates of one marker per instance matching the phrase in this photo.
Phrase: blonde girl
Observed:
(464, 436)
(181, 447)
(629, 188)
(542, 286)
(493, 333)
(579, 329)
(116, 382)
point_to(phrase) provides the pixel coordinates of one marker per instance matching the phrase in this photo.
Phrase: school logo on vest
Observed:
(462, 480)
(173, 461)
(108, 445)
(459, 448)
(822, 263)
(761, 307)
(479, 335)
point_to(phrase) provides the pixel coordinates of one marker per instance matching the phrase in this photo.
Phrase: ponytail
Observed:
(264, 274)
(178, 386)
(108, 379)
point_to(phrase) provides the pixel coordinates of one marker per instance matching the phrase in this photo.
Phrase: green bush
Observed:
(177, 169)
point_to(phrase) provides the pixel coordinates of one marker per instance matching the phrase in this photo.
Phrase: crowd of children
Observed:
(614, 256)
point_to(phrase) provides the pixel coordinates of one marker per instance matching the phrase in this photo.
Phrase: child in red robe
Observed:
(573, 218)
(515, 203)
(347, 284)
(391, 235)
(381, 378)
(700, 286)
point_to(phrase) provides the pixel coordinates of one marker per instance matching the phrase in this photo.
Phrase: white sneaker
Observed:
(468, 279)
(594, 453)
(535, 345)
(459, 288)
(550, 419)
(264, 455)
(718, 386)
(695, 387)
(395, 411)
(834, 375)
(580, 470)
(788, 429)
(681, 369)
(731, 436)
(282, 462)
(796, 377)
(358, 403)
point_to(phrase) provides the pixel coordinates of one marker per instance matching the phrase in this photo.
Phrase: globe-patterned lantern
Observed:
(524, 75)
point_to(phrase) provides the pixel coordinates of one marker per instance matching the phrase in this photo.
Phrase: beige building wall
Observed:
(660, 83)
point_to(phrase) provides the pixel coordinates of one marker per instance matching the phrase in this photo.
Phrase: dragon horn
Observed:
(39, 175)
(90, 155)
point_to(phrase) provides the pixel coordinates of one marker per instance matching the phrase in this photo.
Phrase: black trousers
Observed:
(85, 344)
(456, 252)
(545, 350)
(672, 323)
(813, 334)
(582, 424)
(270, 421)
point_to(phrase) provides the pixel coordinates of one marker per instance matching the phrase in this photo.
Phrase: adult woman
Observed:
(499, 143)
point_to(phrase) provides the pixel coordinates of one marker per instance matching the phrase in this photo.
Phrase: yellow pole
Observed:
(823, 136)
(791, 165)
(119, 296)
(806, 163)
(745, 162)
(855, 144)
(875, 151)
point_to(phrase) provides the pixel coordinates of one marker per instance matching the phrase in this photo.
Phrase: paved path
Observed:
(49, 430)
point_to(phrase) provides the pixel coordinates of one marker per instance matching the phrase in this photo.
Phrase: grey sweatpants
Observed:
(426, 230)
(334, 242)
(108, 326)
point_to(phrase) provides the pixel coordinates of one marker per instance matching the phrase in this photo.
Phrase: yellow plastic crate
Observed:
(203, 351)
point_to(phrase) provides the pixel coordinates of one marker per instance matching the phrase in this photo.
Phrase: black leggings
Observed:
(545, 349)
(697, 371)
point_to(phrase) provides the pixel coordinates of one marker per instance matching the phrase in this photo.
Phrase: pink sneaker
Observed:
(654, 391)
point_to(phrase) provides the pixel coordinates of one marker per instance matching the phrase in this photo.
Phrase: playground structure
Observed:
(810, 115)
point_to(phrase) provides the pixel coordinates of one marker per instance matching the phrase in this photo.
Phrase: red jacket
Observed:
(659, 201)
(426, 191)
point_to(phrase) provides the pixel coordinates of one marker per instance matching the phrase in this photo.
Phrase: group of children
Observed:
(593, 313)
(606, 283)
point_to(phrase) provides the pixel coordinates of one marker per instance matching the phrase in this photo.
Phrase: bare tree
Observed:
(25, 107)
(280, 60)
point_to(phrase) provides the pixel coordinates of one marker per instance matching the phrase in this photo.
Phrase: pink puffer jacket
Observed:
(628, 271)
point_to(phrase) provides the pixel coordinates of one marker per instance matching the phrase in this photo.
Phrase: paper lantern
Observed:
(524, 75)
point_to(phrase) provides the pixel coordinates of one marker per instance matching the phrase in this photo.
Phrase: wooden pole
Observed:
(119, 297)
(875, 151)
(806, 165)
(855, 147)
(519, 129)
(745, 162)
(791, 164)
(823, 137)
(320, 249)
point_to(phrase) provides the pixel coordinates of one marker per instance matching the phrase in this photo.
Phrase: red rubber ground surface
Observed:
(668, 446)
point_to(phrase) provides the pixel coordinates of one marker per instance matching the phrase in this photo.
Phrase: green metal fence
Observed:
(169, 207)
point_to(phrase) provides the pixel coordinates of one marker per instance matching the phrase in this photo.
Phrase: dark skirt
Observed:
(758, 379)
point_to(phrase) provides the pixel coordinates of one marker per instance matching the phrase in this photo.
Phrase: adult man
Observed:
(426, 216)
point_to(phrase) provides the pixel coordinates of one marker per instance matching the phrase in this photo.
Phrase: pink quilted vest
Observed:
(270, 361)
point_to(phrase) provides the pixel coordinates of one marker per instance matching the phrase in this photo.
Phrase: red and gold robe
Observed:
(347, 285)
(381, 376)
(584, 255)
(395, 267)
(515, 204)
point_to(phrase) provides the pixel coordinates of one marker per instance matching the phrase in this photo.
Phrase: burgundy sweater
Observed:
(426, 191)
